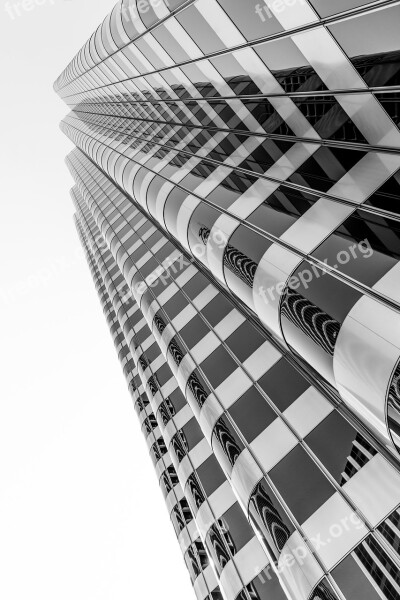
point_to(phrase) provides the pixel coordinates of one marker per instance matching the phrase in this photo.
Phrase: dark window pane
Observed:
(210, 475)
(266, 588)
(245, 341)
(196, 285)
(175, 305)
(372, 43)
(302, 484)
(226, 444)
(365, 247)
(332, 442)
(218, 366)
(235, 525)
(283, 384)
(352, 581)
(194, 331)
(252, 414)
(272, 521)
(192, 433)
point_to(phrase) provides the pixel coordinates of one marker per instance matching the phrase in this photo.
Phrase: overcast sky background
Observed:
(81, 513)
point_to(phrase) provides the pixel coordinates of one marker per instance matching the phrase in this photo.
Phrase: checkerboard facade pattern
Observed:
(237, 175)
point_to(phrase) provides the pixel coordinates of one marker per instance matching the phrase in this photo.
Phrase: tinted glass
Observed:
(302, 484)
(252, 414)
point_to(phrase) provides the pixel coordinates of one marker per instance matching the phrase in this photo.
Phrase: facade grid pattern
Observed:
(237, 174)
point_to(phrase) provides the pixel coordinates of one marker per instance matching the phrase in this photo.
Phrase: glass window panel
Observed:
(175, 305)
(174, 202)
(289, 66)
(170, 44)
(149, 267)
(326, 292)
(252, 18)
(326, 167)
(218, 366)
(329, 119)
(226, 444)
(266, 588)
(372, 42)
(147, 13)
(283, 384)
(391, 103)
(196, 286)
(332, 442)
(326, 8)
(235, 75)
(352, 581)
(193, 434)
(245, 341)
(265, 155)
(365, 247)
(252, 414)
(281, 209)
(211, 475)
(199, 30)
(387, 197)
(235, 526)
(217, 309)
(272, 520)
(199, 229)
(302, 484)
(194, 331)
(242, 256)
(163, 374)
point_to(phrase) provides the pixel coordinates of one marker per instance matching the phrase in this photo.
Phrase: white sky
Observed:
(81, 513)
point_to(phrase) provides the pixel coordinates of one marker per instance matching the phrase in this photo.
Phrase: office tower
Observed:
(237, 176)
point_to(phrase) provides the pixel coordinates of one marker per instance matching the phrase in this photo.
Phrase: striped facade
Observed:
(237, 175)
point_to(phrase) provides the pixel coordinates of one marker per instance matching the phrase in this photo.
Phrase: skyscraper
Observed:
(237, 176)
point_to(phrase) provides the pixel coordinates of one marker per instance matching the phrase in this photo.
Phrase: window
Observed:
(210, 475)
(172, 206)
(175, 305)
(283, 384)
(218, 366)
(352, 581)
(192, 434)
(196, 493)
(245, 333)
(366, 246)
(226, 443)
(326, 8)
(334, 442)
(371, 41)
(251, 22)
(217, 309)
(302, 484)
(196, 285)
(271, 519)
(194, 331)
(169, 43)
(252, 414)
(235, 528)
(267, 588)
(199, 30)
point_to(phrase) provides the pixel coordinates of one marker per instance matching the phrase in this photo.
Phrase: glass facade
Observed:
(237, 174)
